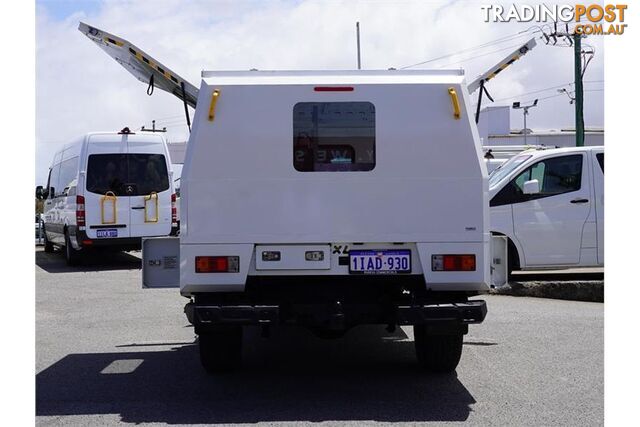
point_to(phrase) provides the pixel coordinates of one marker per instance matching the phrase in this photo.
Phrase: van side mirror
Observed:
(51, 193)
(531, 187)
(39, 192)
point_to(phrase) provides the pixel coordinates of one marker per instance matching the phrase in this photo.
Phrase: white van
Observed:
(550, 205)
(108, 190)
(328, 200)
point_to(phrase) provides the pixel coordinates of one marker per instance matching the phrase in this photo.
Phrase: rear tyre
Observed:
(71, 255)
(221, 349)
(48, 246)
(437, 353)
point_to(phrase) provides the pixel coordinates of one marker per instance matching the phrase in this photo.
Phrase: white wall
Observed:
(494, 120)
(177, 151)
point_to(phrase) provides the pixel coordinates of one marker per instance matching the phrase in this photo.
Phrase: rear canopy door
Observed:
(144, 67)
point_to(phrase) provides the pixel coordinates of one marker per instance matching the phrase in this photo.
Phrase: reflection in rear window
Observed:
(127, 174)
(334, 136)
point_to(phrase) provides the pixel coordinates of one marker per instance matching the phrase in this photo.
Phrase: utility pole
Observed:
(577, 54)
(574, 40)
(358, 43)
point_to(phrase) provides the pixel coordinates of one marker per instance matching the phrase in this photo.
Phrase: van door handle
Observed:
(576, 201)
(137, 207)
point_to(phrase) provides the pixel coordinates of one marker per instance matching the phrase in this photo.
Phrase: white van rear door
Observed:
(150, 203)
(106, 210)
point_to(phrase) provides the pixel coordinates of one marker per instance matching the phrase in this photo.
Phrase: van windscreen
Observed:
(127, 174)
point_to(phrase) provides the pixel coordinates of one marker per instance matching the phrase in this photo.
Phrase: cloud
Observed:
(80, 89)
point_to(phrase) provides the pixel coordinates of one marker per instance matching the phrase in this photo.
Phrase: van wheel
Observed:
(437, 353)
(71, 255)
(48, 246)
(221, 349)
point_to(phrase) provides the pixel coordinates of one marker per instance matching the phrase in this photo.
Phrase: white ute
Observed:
(550, 205)
(328, 200)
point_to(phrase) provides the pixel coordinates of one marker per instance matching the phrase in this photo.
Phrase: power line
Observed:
(548, 97)
(527, 32)
(487, 44)
(177, 125)
(545, 89)
(171, 122)
(532, 92)
(479, 56)
(561, 94)
(170, 117)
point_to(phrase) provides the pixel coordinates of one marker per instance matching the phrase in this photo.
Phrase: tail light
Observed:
(174, 210)
(80, 214)
(453, 262)
(217, 264)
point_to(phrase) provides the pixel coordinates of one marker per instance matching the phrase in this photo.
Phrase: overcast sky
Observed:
(80, 89)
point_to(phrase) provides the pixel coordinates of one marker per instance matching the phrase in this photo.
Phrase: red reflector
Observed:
(333, 89)
(87, 242)
(217, 264)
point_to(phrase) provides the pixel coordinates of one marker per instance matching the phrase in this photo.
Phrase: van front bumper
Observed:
(438, 317)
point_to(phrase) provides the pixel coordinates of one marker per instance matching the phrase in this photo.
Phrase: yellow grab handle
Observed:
(109, 195)
(151, 196)
(212, 106)
(454, 101)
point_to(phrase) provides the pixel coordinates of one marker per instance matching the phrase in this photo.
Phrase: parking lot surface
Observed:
(109, 352)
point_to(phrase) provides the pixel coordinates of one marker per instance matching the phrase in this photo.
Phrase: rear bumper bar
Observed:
(441, 316)
(116, 243)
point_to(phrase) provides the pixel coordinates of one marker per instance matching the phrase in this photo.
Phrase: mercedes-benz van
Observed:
(108, 190)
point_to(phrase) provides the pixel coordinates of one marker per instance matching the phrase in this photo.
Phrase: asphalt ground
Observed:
(110, 352)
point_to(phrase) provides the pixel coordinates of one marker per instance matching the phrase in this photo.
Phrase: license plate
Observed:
(107, 232)
(380, 261)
